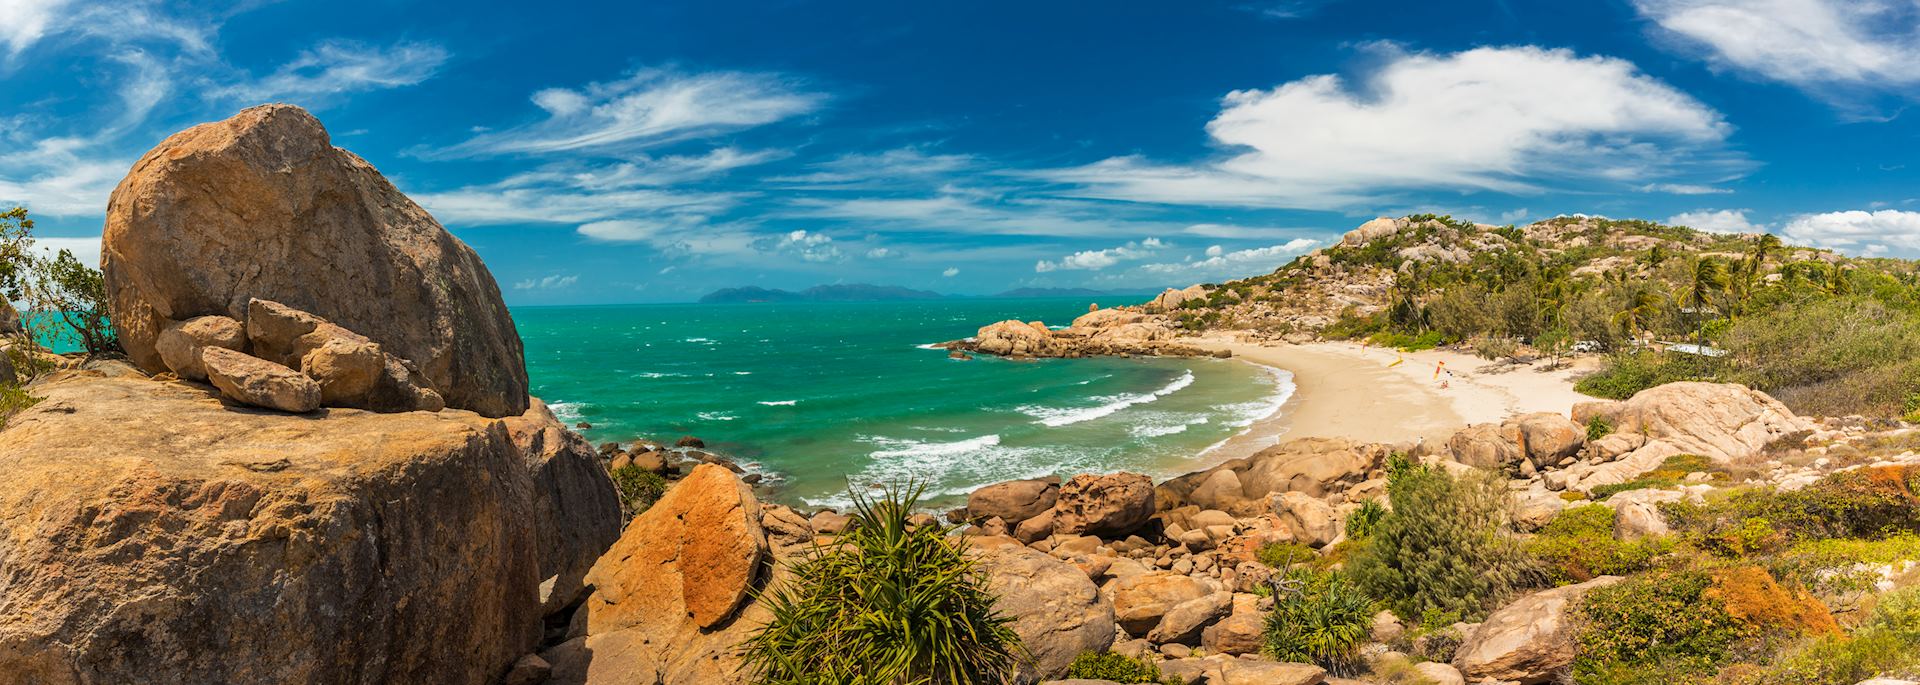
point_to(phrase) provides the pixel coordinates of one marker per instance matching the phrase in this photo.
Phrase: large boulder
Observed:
(352, 370)
(1546, 437)
(1141, 600)
(1013, 501)
(251, 380)
(1314, 466)
(1528, 641)
(667, 598)
(1721, 421)
(187, 542)
(1014, 338)
(262, 205)
(1484, 445)
(1372, 230)
(1056, 610)
(1112, 504)
(1311, 520)
(577, 515)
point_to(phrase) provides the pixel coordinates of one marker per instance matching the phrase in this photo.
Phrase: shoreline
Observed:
(1353, 391)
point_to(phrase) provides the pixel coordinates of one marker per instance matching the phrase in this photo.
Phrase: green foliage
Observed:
(1626, 373)
(1363, 519)
(891, 604)
(71, 294)
(1319, 617)
(1842, 566)
(1282, 555)
(13, 400)
(1665, 619)
(1598, 427)
(1578, 545)
(1861, 503)
(1445, 544)
(1831, 356)
(638, 488)
(1118, 668)
(1408, 342)
(1669, 474)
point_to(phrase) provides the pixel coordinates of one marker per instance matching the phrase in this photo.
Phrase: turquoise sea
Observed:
(818, 396)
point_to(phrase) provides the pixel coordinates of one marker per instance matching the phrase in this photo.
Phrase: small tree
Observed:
(1446, 544)
(69, 296)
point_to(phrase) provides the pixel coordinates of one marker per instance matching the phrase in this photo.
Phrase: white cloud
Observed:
(957, 211)
(651, 107)
(553, 282)
(87, 250)
(1717, 221)
(808, 246)
(494, 205)
(1513, 215)
(1239, 232)
(1504, 119)
(23, 22)
(951, 272)
(880, 253)
(1857, 231)
(1812, 44)
(885, 169)
(338, 67)
(1221, 264)
(1683, 189)
(1094, 260)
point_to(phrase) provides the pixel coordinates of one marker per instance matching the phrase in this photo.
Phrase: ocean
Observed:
(821, 397)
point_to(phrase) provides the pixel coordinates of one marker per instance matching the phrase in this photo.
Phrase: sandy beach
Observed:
(1384, 395)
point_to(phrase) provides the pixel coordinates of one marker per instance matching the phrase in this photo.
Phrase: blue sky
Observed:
(658, 150)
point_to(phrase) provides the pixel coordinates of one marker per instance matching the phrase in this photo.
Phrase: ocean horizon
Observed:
(818, 397)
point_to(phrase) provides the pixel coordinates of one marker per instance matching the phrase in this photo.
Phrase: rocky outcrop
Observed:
(1112, 504)
(1171, 299)
(667, 598)
(1056, 610)
(577, 515)
(352, 370)
(1526, 443)
(261, 205)
(173, 539)
(1724, 422)
(1104, 332)
(1312, 466)
(180, 344)
(1140, 601)
(1528, 641)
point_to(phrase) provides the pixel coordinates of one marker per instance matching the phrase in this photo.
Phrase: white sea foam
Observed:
(566, 411)
(743, 373)
(1160, 429)
(931, 346)
(897, 448)
(780, 403)
(1056, 417)
(716, 416)
(660, 374)
(1246, 413)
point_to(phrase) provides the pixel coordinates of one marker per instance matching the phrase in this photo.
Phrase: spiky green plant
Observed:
(1318, 616)
(887, 604)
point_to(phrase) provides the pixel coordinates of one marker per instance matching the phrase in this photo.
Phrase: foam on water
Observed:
(779, 403)
(1055, 417)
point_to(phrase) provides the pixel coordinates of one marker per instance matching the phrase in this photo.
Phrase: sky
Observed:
(655, 151)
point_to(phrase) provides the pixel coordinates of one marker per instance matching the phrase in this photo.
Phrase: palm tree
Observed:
(1709, 278)
(1641, 306)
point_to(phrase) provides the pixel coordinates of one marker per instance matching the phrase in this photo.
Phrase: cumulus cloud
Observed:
(951, 272)
(339, 67)
(553, 282)
(1817, 45)
(1508, 119)
(651, 107)
(1717, 221)
(1221, 264)
(1094, 260)
(1858, 231)
(807, 245)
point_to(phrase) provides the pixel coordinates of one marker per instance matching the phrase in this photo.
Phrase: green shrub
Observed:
(1598, 427)
(1445, 544)
(1118, 668)
(1626, 373)
(1843, 660)
(1833, 566)
(13, 400)
(1898, 613)
(1283, 555)
(1665, 619)
(1861, 503)
(1319, 617)
(891, 604)
(1669, 474)
(1362, 520)
(1578, 545)
(1601, 492)
(638, 488)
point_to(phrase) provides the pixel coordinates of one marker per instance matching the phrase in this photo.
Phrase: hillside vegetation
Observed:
(1827, 334)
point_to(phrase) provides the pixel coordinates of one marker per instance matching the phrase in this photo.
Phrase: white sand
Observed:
(1353, 391)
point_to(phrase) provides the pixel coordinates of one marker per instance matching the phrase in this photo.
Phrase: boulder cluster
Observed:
(298, 362)
(1120, 331)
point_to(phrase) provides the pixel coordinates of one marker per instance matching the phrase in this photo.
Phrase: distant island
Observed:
(852, 292)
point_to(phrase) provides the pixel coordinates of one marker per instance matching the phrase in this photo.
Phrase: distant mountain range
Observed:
(852, 292)
(863, 292)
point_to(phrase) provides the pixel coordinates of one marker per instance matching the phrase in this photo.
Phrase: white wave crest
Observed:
(780, 403)
(1055, 417)
(916, 449)
(716, 416)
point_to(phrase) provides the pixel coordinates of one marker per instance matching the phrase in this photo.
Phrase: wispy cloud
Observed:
(1684, 189)
(1831, 48)
(339, 67)
(1222, 264)
(1858, 231)
(1511, 119)
(553, 282)
(649, 108)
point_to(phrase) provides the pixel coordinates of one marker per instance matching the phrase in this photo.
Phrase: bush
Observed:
(1598, 427)
(1446, 543)
(890, 604)
(1763, 606)
(1663, 619)
(1283, 555)
(13, 400)
(1118, 668)
(1843, 660)
(1578, 545)
(1842, 566)
(1490, 348)
(638, 488)
(1626, 373)
(1862, 503)
(1362, 520)
(1669, 474)
(1319, 617)
(71, 294)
